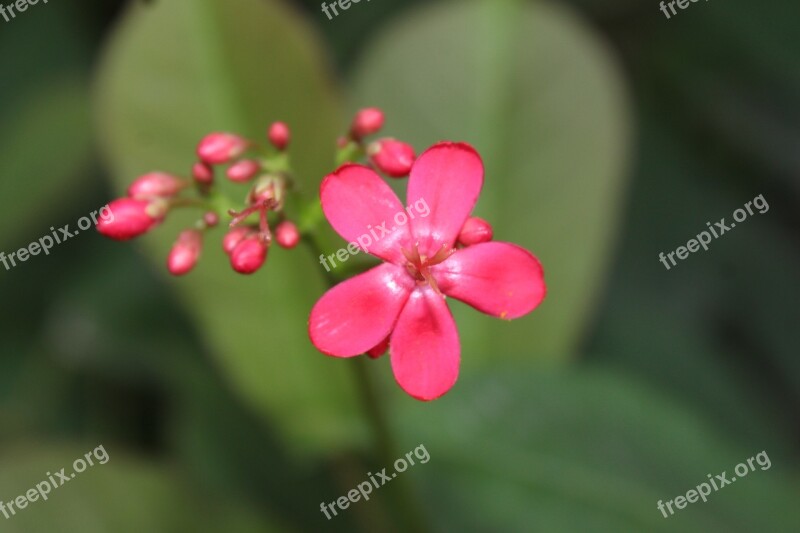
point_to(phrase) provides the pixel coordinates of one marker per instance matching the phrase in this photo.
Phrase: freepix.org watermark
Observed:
(702, 490)
(53, 481)
(717, 230)
(377, 233)
(19, 6)
(364, 489)
(45, 243)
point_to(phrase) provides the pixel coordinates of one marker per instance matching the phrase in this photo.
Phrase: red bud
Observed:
(185, 252)
(243, 170)
(367, 122)
(233, 237)
(379, 350)
(155, 185)
(475, 231)
(203, 173)
(218, 148)
(287, 235)
(131, 218)
(393, 158)
(248, 255)
(279, 135)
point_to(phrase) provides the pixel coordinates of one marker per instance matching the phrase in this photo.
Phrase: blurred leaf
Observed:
(123, 495)
(726, 312)
(45, 145)
(176, 71)
(542, 100)
(584, 452)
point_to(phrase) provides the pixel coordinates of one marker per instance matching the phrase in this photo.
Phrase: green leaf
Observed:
(178, 70)
(542, 100)
(123, 495)
(526, 450)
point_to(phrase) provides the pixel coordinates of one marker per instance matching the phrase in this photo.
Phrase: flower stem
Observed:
(407, 505)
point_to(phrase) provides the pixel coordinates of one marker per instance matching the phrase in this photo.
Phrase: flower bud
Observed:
(378, 350)
(233, 237)
(155, 185)
(267, 187)
(243, 170)
(393, 158)
(248, 255)
(367, 122)
(131, 218)
(210, 219)
(185, 252)
(475, 231)
(203, 173)
(287, 235)
(218, 148)
(279, 135)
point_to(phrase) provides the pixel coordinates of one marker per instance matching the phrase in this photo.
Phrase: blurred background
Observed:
(610, 134)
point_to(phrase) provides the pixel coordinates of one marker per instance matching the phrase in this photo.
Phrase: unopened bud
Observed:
(243, 170)
(249, 255)
(155, 185)
(367, 122)
(233, 237)
(392, 157)
(219, 148)
(287, 235)
(210, 219)
(379, 350)
(131, 218)
(475, 231)
(185, 252)
(267, 187)
(279, 135)
(203, 173)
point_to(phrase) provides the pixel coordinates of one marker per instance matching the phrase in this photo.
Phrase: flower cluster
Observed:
(400, 305)
(265, 170)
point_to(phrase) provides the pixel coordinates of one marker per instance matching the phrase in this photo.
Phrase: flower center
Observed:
(418, 266)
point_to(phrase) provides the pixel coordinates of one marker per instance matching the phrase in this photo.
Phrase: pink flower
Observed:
(405, 298)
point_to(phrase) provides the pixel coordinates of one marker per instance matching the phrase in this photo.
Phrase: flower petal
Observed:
(425, 349)
(447, 181)
(497, 278)
(362, 208)
(357, 314)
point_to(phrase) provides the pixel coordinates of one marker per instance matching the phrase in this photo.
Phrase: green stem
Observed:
(387, 452)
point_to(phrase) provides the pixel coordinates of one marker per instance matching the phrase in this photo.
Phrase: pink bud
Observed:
(218, 148)
(475, 231)
(366, 122)
(233, 237)
(243, 171)
(279, 135)
(393, 158)
(210, 219)
(379, 350)
(155, 185)
(248, 255)
(185, 252)
(203, 173)
(287, 235)
(131, 218)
